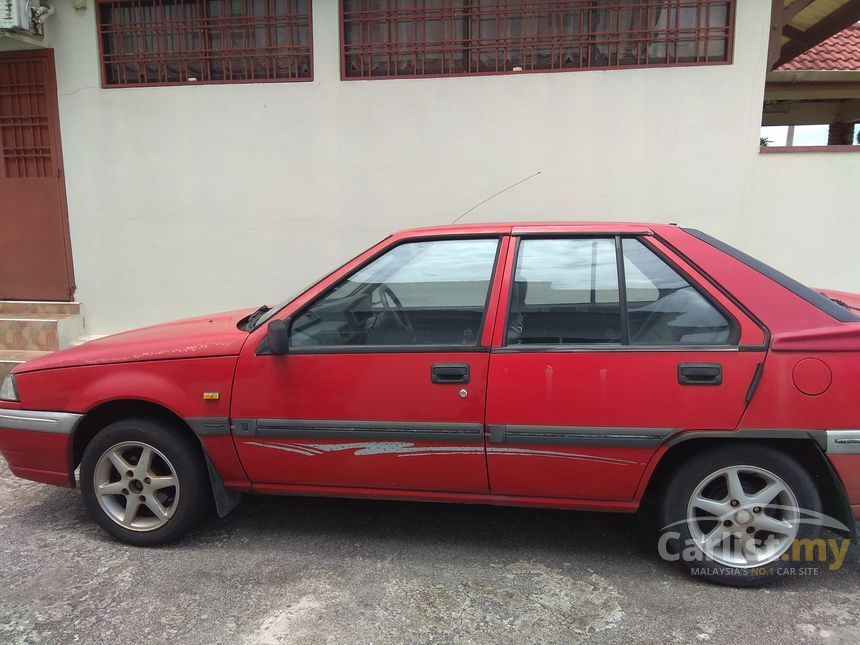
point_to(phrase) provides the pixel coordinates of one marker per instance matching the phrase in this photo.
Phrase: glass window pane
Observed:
(565, 291)
(663, 308)
(419, 37)
(146, 42)
(419, 293)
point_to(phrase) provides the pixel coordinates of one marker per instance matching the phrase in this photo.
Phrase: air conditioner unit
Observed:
(15, 15)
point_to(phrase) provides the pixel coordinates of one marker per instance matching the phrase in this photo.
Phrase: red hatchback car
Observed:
(562, 365)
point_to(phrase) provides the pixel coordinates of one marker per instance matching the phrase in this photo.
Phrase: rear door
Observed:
(384, 386)
(607, 347)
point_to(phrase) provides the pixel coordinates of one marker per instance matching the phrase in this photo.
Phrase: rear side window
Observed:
(431, 293)
(573, 291)
(663, 308)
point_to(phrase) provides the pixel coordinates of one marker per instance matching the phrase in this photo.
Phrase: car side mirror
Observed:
(278, 337)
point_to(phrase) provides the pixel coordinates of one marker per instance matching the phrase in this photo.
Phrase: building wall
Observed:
(184, 200)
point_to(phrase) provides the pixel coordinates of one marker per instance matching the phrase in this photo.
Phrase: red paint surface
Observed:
(205, 336)
(172, 365)
(812, 376)
(40, 456)
(379, 387)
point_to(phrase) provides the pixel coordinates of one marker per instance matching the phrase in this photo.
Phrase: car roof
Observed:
(526, 228)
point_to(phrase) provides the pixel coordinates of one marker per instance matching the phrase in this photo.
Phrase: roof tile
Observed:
(839, 52)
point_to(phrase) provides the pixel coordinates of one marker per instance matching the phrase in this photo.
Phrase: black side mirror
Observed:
(278, 337)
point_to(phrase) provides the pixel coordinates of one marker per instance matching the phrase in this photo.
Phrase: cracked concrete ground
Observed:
(300, 570)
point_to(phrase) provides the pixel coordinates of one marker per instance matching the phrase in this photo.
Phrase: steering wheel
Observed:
(392, 305)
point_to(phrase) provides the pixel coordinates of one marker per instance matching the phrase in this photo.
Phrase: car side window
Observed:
(430, 293)
(663, 308)
(565, 291)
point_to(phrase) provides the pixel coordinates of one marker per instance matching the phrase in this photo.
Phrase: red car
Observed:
(589, 366)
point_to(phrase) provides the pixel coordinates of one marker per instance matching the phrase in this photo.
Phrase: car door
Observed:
(384, 384)
(607, 346)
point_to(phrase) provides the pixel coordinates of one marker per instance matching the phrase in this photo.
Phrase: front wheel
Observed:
(730, 514)
(144, 482)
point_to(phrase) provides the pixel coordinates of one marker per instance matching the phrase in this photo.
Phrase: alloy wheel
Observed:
(136, 486)
(743, 516)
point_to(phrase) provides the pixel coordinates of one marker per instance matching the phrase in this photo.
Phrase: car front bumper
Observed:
(38, 444)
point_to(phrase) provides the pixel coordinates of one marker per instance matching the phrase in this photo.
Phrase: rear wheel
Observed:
(732, 513)
(144, 483)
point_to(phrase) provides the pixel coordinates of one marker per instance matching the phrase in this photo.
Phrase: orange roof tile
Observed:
(839, 52)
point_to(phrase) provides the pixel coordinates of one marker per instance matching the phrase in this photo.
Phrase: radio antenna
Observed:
(514, 185)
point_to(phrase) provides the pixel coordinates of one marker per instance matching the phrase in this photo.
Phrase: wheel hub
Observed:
(743, 517)
(136, 486)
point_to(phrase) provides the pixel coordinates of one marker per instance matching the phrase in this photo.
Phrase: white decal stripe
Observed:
(526, 452)
(297, 451)
(410, 450)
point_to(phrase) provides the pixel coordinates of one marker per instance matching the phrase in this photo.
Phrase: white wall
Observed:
(184, 200)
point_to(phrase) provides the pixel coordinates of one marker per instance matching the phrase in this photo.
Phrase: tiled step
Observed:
(38, 307)
(38, 332)
(9, 359)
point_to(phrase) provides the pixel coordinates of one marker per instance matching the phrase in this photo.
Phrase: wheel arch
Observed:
(804, 447)
(102, 415)
(105, 413)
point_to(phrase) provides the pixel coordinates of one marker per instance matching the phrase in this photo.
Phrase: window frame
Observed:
(625, 344)
(731, 24)
(403, 349)
(107, 86)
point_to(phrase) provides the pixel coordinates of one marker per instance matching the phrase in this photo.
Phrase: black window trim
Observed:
(817, 300)
(407, 349)
(625, 345)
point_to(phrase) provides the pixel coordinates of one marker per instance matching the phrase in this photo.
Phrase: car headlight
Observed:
(8, 391)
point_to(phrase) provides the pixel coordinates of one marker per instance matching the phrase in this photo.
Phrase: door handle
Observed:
(449, 373)
(700, 373)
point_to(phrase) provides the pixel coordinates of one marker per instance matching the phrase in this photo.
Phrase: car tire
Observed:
(744, 547)
(145, 482)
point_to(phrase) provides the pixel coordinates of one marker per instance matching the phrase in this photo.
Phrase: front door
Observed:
(35, 256)
(609, 348)
(385, 381)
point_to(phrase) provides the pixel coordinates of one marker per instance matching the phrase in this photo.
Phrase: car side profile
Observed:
(588, 365)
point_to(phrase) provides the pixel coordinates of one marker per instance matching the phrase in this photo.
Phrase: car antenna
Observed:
(514, 185)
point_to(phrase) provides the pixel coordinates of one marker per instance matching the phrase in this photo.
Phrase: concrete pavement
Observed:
(301, 570)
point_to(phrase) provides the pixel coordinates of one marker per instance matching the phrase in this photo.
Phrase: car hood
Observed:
(214, 335)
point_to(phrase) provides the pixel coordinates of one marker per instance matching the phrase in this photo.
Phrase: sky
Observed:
(804, 135)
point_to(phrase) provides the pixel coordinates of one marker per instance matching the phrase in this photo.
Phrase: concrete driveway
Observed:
(282, 570)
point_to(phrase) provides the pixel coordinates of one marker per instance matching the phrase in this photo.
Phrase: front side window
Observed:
(157, 42)
(403, 38)
(431, 293)
(566, 292)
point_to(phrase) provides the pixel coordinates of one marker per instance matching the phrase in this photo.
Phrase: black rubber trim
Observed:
(842, 503)
(578, 435)
(818, 436)
(814, 298)
(759, 370)
(225, 500)
(370, 430)
(615, 347)
(209, 426)
(391, 349)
